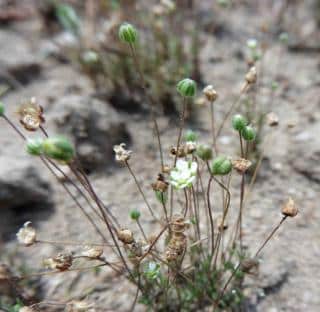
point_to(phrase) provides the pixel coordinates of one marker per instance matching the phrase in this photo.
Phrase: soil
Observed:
(289, 278)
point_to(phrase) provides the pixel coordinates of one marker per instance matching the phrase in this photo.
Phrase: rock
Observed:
(18, 66)
(24, 194)
(95, 127)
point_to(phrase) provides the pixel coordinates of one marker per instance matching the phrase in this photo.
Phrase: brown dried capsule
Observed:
(272, 119)
(289, 209)
(181, 151)
(160, 184)
(62, 262)
(125, 236)
(210, 93)
(31, 115)
(241, 165)
(249, 266)
(251, 76)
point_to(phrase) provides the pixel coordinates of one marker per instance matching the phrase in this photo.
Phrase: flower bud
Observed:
(284, 37)
(204, 152)
(289, 209)
(128, 33)
(34, 146)
(190, 136)
(239, 122)
(210, 93)
(58, 148)
(252, 43)
(1, 109)
(27, 234)
(90, 58)
(221, 165)
(248, 133)
(125, 236)
(134, 214)
(187, 87)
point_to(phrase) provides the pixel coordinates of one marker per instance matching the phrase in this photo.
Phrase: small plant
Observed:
(193, 259)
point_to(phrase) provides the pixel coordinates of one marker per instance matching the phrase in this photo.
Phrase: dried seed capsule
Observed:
(248, 133)
(58, 148)
(239, 122)
(125, 236)
(27, 234)
(241, 165)
(62, 262)
(251, 76)
(221, 165)
(34, 146)
(272, 119)
(122, 154)
(161, 184)
(92, 252)
(210, 93)
(134, 214)
(31, 115)
(204, 152)
(187, 87)
(128, 33)
(289, 209)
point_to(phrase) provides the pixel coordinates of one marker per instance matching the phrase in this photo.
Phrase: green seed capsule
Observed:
(134, 214)
(58, 148)
(239, 122)
(204, 152)
(128, 33)
(34, 146)
(1, 109)
(191, 136)
(248, 133)
(221, 165)
(187, 87)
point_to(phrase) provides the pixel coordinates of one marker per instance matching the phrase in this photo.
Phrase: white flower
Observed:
(27, 234)
(252, 43)
(183, 174)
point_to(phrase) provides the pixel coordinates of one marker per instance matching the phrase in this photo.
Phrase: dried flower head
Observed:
(210, 93)
(27, 234)
(161, 184)
(166, 169)
(289, 209)
(181, 151)
(184, 174)
(122, 155)
(272, 119)
(92, 252)
(250, 266)
(179, 224)
(251, 76)
(79, 306)
(26, 309)
(218, 220)
(62, 262)
(125, 236)
(31, 115)
(190, 147)
(241, 165)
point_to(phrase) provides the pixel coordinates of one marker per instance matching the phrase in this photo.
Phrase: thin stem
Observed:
(213, 133)
(150, 100)
(142, 231)
(140, 189)
(182, 119)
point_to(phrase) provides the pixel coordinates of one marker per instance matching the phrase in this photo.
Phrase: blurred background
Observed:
(67, 54)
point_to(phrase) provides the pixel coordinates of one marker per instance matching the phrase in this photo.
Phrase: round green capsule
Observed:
(1, 109)
(187, 87)
(204, 152)
(34, 146)
(239, 122)
(221, 165)
(58, 148)
(191, 136)
(248, 133)
(128, 33)
(135, 214)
